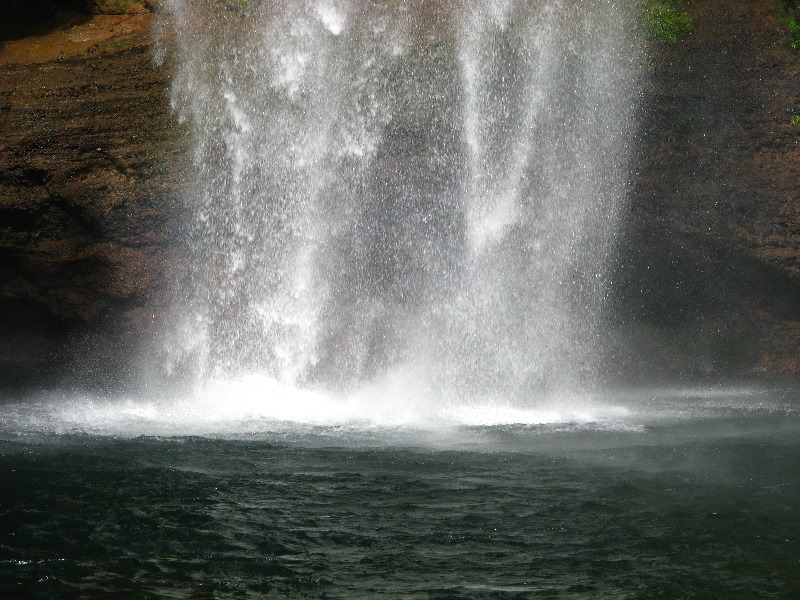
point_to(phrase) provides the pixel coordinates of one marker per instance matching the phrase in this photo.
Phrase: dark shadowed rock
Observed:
(709, 276)
(88, 178)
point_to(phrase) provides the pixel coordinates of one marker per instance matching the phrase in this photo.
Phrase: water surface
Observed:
(680, 496)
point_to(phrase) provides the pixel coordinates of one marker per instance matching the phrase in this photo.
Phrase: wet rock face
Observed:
(710, 265)
(88, 178)
(114, 7)
(20, 18)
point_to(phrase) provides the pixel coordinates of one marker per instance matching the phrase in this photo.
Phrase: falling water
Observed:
(392, 307)
(400, 194)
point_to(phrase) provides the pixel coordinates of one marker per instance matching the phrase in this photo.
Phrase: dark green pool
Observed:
(690, 498)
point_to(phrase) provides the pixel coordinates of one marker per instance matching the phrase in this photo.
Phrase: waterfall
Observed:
(421, 193)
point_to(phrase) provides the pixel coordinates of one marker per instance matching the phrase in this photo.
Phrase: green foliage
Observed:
(117, 45)
(795, 121)
(686, 123)
(791, 13)
(117, 7)
(663, 21)
(794, 30)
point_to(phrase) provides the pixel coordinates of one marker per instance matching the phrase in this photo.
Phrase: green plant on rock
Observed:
(794, 30)
(116, 45)
(117, 7)
(791, 13)
(685, 123)
(663, 21)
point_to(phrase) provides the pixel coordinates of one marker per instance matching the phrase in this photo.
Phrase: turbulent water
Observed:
(691, 494)
(400, 191)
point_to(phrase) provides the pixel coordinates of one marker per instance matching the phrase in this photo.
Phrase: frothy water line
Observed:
(238, 408)
(257, 406)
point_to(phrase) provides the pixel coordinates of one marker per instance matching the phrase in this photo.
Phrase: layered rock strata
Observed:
(87, 186)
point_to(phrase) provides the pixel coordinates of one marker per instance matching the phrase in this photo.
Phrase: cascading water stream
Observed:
(390, 196)
(383, 368)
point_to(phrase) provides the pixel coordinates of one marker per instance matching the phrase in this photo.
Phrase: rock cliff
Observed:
(87, 186)
(708, 278)
(709, 273)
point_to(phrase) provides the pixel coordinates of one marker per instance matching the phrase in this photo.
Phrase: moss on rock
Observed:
(665, 22)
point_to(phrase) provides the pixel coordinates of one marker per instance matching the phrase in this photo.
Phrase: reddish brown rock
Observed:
(88, 182)
(114, 7)
(711, 262)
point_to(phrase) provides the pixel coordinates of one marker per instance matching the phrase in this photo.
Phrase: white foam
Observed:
(260, 404)
(332, 18)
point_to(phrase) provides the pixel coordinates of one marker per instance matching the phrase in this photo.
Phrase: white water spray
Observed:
(399, 196)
